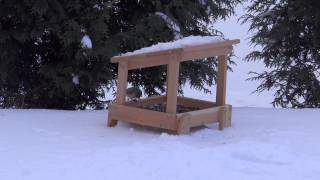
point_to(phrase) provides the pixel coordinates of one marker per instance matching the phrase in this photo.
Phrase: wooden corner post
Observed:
(172, 83)
(122, 82)
(121, 89)
(221, 90)
(221, 80)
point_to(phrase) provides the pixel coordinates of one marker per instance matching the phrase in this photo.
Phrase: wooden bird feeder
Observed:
(180, 122)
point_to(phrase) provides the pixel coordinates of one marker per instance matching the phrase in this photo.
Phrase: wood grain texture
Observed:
(229, 116)
(111, 122)
(190, 102)
(121, 90)
(221, 80)
(172, 84)
(144, 117)
(201, 117)
(122, 82)
(183, 124)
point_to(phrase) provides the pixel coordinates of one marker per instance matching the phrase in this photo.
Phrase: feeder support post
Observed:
(121, 90)
(172, 83)
(221, 80)
(122, 82)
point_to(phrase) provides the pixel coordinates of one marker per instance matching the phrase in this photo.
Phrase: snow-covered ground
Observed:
(262, 144)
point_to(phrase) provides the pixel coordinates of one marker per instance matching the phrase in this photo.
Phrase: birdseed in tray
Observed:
(162, 108)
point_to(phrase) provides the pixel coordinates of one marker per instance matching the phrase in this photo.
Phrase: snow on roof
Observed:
(181, 43)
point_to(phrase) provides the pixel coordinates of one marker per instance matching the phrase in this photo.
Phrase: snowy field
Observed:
(262, 144)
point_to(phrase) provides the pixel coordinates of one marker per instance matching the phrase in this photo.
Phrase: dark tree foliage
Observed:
(44, 65)
(288, 32)
(41, 53)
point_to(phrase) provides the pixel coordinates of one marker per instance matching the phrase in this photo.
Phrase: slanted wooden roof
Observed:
(186, 53)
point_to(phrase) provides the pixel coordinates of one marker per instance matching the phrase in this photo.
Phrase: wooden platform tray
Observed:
(180, 123)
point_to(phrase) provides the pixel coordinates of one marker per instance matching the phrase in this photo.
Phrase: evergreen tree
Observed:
(288, 32)
(56, 54)
(43, 63)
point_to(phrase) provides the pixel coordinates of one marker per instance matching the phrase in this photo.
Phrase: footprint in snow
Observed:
(254, 159)
(39, 130)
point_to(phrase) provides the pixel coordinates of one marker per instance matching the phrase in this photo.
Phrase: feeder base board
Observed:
(180, 123)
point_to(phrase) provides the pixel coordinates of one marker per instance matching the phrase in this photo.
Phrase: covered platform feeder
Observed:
(202, 112)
